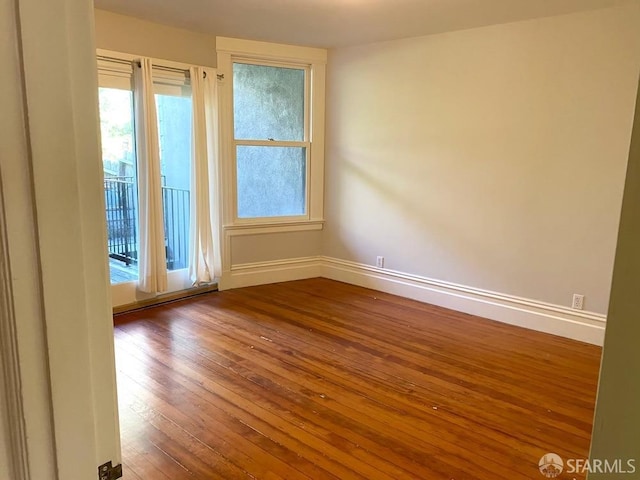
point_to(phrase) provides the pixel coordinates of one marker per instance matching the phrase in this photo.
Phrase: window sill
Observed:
(261, 228)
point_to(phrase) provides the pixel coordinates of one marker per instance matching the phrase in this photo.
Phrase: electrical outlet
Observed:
(380, 262)
(578, 301)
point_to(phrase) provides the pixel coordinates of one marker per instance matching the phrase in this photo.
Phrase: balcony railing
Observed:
(176, 226)
(122, 226)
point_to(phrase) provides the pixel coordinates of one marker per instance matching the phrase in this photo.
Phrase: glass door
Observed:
(173, 109)
(120, 182)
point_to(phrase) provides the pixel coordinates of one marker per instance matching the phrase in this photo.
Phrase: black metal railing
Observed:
(176, 226)
(122, 227)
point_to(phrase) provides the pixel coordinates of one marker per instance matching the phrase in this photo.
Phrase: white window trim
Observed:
(315, 59)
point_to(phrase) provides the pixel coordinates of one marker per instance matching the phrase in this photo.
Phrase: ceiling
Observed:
(338, 23)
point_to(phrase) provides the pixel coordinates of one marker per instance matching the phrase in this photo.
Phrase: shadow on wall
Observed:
(370, 213)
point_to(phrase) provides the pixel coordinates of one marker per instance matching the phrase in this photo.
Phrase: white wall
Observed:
(493, 158)
(126, 34)
(274, 246)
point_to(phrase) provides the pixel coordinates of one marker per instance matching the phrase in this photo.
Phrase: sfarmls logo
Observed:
(551, 465)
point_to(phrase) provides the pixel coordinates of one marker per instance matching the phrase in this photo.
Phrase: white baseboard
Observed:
(261, 273)
(544, 317)
(575, 324)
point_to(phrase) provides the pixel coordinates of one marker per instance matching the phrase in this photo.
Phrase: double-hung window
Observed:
(271, 139)
(274, 121)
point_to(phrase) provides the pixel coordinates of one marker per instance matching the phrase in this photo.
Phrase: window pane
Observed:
(268, 102)
(271, 181)
(121, 194)
(174, 129)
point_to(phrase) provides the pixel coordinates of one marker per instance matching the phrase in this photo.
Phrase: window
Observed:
(271, 139)
(275, 132)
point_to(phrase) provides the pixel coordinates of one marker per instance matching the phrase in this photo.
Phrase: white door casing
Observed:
(56, 239)
(13, 458)
(26, 390)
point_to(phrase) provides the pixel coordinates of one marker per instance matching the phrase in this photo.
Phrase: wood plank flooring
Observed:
(317, 379)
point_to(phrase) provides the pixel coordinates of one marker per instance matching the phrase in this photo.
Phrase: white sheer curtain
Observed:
(204, 255)
(152, 259)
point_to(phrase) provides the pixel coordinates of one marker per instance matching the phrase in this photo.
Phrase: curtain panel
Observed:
(204, 264)
(152, 258)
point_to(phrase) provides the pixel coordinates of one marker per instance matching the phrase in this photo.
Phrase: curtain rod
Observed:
(159, 67)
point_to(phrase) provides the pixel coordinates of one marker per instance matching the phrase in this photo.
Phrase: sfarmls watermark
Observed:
(552, 465)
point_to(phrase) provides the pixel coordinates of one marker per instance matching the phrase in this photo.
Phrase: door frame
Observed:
(59, 317)
(13, 435)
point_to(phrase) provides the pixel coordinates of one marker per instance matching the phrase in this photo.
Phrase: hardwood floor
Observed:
(317, 379)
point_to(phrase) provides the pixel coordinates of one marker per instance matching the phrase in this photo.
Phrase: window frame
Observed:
(313, 62)
(304, 143)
